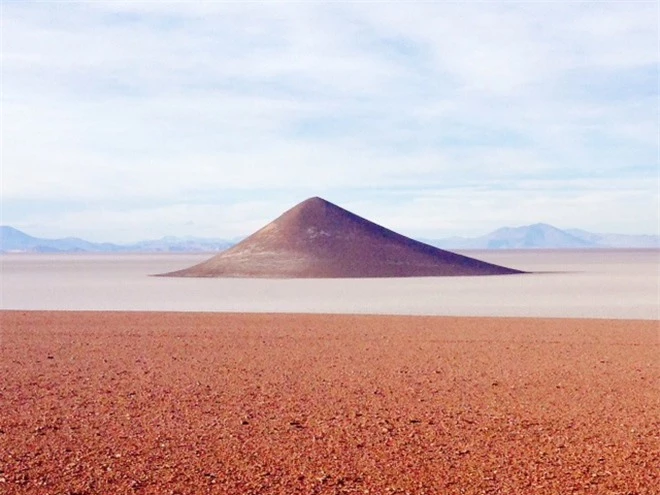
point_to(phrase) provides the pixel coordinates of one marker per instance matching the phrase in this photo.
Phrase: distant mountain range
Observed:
(544, 236)
(537, 236)
(14, 241)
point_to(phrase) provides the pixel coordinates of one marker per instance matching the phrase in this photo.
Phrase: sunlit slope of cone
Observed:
(317, 239)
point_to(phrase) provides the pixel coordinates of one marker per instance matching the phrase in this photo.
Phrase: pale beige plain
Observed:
(582, 284)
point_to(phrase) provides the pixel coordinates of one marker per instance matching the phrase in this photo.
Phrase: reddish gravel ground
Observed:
(174, 403)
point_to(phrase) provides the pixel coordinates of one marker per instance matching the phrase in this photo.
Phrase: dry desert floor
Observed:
(197, 403)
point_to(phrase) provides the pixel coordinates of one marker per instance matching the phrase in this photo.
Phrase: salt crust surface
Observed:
(584, 284)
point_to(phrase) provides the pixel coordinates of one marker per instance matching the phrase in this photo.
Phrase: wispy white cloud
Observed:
(163, 105)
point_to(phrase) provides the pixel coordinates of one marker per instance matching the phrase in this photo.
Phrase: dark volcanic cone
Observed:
(317, 239)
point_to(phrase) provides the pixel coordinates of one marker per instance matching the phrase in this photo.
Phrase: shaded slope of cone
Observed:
(317, 239)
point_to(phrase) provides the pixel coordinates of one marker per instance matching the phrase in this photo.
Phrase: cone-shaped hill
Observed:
(317, 239)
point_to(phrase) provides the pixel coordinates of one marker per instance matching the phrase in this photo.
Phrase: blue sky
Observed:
(130, 120)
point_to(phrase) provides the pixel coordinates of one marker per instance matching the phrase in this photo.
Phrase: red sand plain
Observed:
(183, 403)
